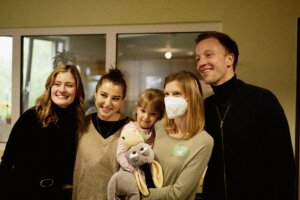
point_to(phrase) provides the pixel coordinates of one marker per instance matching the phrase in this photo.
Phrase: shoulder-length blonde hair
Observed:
(44, 104)
(195, 118)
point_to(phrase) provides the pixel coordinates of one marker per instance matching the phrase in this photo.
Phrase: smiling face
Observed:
(214, 63)
(146, 117)
(63, 90)
(108, 100)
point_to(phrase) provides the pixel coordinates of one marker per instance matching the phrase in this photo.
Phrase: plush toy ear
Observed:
(141, 183)
(157, 174)
(131, 137)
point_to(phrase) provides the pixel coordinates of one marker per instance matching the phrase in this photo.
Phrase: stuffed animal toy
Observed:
(131, 184)
(131, 136)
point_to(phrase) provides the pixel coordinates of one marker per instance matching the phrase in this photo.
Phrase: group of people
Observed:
(239, 134)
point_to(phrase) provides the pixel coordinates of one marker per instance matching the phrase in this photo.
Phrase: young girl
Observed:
(149, 109)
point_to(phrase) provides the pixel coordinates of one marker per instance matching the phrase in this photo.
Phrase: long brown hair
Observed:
(44, 104)
(195, 118)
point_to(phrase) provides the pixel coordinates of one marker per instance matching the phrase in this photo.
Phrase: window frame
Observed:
(111, 33)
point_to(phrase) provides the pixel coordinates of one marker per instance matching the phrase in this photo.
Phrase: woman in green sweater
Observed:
(182, 146)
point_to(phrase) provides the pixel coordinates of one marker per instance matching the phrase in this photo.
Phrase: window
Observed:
(145, 61)
(138, 50)
(5, 78)
(42, 53)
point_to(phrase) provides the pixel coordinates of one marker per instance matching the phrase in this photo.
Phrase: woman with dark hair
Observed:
(39, 157)
(96, 155)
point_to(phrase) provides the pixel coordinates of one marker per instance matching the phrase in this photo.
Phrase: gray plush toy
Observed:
(131, 184)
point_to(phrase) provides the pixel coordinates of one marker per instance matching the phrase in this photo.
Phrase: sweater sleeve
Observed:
(14, 150)
(189, 178)
(279, 154)
(17, 138)
(122, 160)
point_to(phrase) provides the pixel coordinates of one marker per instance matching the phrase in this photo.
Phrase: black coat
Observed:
(255, 145)
(34, 154)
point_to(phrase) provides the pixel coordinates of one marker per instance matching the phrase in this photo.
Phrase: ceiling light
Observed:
(168, 55)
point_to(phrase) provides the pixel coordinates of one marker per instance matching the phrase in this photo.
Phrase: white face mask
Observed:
(175, 106)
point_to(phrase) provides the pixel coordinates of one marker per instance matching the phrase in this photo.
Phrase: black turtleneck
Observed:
(107, 128)
(66, 116)
(224, 93)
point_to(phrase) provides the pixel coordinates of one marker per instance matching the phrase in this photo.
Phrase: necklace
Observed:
(224, 115)
(223, 148)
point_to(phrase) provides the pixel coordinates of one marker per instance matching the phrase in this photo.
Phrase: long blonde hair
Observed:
(44, 104)
(195, 118)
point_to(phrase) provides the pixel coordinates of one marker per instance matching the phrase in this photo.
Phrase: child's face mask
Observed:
(175, 106)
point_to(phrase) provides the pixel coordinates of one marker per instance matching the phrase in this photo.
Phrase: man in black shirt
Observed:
(252, 158)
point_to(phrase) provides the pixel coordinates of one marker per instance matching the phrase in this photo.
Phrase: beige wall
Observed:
(264, 29)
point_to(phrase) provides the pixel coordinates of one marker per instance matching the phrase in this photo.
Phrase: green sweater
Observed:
(183, 162)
